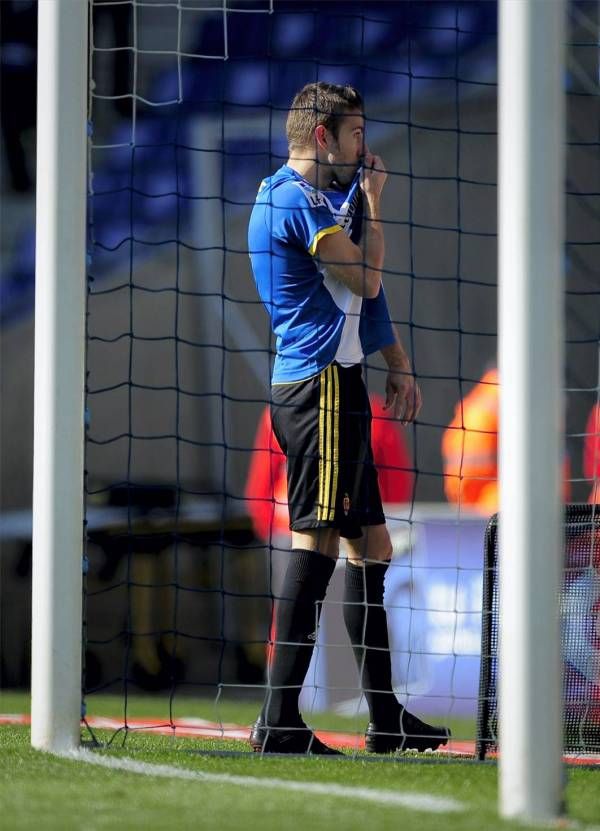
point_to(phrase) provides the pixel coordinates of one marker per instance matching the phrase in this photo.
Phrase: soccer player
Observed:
(317, 262)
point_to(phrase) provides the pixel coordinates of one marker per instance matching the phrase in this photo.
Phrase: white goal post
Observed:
(531, 352)
(59, 374)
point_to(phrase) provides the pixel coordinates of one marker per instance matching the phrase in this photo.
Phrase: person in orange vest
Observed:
(266, 486)
(470, 449)
(591, 453)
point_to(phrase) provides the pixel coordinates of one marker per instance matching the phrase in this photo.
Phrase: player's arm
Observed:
(359, 266)
(350, 264)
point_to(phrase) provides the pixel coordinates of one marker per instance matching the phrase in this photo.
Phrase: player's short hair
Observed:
(319, 103)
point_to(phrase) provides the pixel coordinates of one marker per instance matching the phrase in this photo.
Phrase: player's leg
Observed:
(297, 613)
(304, 421)
(370, 551)
(366, 620)
(280, 727)
(391, 727)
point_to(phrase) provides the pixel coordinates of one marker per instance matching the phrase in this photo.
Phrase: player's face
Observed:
(345, 152)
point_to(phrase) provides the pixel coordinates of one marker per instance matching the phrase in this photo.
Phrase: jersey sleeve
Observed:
(355, 201)
(375, 327)
(301, 216)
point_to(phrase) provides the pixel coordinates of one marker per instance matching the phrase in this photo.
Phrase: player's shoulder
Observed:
(273, 184)
(285, 189)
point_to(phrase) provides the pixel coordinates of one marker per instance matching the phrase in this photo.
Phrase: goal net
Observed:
(579, 605)
(185, 550)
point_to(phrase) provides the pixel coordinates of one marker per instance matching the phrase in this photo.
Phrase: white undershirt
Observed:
(349, 351)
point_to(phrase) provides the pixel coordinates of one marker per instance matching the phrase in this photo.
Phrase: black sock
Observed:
(296, 618)
(366, 622)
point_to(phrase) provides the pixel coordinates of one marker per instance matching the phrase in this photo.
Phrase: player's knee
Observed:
(381, 555)
(379, 545)
(375, 545)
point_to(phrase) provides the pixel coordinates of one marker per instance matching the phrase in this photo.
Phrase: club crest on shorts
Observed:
(346, 504)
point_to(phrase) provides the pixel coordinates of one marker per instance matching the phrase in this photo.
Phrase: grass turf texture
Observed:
(41, 791)
(222, 708)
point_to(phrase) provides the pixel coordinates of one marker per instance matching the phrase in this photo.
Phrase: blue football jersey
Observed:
(315, 318)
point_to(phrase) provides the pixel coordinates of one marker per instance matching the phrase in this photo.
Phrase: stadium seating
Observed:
(383, 49)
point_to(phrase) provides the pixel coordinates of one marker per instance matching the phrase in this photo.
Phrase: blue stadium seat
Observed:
(17, 286)
(246, 82)
(292, 35)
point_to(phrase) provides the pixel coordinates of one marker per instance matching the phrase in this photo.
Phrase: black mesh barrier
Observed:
(188, 102)
(580, 635)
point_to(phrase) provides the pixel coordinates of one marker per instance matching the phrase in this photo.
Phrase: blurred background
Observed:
(187, 111)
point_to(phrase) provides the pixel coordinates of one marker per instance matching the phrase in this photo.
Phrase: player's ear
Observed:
(321, 136)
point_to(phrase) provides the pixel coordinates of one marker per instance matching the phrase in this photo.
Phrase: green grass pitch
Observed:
(39, 791)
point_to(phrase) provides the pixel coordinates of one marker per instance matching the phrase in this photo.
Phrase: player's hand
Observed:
(402, 395)
(373, 174)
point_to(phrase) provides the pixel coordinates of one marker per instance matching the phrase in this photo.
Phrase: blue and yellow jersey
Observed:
(314, 317)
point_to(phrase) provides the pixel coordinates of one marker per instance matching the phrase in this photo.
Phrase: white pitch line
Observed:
(414, 801)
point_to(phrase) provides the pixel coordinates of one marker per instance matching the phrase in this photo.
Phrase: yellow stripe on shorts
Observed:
(336, 439)
(322, 415)
(328, 443)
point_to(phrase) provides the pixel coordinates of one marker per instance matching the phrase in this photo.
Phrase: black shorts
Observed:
(323, 425)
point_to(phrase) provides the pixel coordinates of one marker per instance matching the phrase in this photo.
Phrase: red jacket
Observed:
(266, 487)
(591, 453)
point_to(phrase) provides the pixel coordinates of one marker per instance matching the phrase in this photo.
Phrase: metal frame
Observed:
(531, 345)
(59, 374)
